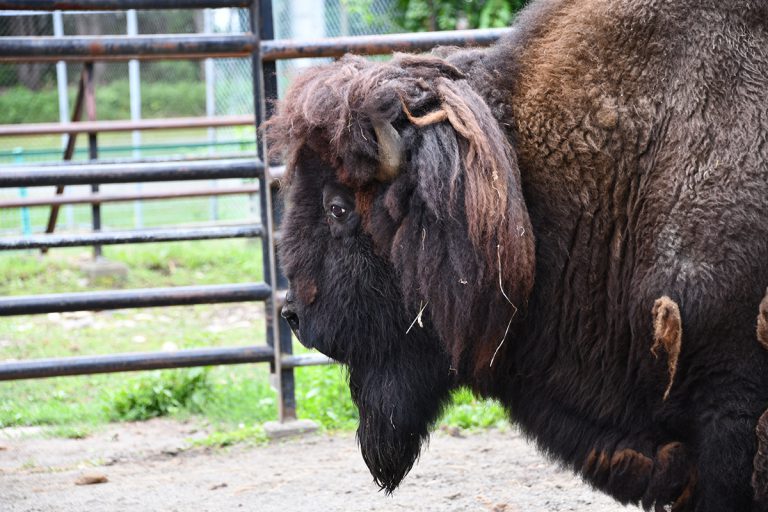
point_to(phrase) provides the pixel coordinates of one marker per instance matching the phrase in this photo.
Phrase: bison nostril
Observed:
(290, 316)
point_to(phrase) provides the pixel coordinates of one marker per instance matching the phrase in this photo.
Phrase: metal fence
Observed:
(263, 51)
(150, 89)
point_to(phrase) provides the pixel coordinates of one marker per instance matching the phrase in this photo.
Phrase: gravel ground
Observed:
(150, 467)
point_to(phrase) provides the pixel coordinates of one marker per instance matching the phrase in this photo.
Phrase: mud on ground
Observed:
(150, 466)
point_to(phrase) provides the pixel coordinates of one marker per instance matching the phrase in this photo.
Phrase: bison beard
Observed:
(398, 403)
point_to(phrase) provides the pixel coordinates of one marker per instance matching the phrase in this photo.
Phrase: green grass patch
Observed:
(322, 394)
(69, 431)
(468, 412)
(250, 435)
(159, 393)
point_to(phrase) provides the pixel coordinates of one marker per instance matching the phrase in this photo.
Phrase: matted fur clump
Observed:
(332, 108)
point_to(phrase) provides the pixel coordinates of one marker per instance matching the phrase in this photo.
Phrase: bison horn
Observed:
(390, 151)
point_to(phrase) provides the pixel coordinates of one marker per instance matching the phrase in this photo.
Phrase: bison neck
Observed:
(571, 376)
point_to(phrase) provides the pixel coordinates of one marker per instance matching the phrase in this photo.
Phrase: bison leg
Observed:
(667, 334)
(760, 463)
(665, 479)
(760, 474)
(725, 450)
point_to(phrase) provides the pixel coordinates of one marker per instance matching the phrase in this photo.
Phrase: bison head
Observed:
(406, 240)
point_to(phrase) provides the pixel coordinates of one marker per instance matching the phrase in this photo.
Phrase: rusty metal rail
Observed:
(143, 236)
(116, 5)
(135, 361)
(15, 130)
(85, 174)
(121, 48)
(101, 198)
(378, 44)
(40, 368)
(295, 361)
(138, 298)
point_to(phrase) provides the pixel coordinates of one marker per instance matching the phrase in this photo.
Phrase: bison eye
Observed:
(338, 211)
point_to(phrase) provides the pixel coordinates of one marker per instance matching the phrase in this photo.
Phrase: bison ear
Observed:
(465, 247)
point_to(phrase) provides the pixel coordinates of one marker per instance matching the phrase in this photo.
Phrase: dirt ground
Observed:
(150, 467)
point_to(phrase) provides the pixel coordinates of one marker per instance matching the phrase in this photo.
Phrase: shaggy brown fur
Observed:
(667, 334)
(629, 139)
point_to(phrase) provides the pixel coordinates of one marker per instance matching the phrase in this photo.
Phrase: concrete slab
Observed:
(103, 268)
(277, 430)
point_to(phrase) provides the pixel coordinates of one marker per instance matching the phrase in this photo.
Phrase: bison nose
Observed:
(289, 313)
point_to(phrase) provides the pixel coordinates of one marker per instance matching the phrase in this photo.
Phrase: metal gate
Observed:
(263, 51)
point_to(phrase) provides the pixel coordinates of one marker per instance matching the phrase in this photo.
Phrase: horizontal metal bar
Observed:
(294, 361)
(115, 5)
(232, 155)
(85, 365)
(138, 298)
(176, 123)
(378, 44)
(129, 237)
(84, 174)
(100, 198)
(120, 48)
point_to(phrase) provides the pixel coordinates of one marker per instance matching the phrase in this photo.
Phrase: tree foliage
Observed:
(425, 15)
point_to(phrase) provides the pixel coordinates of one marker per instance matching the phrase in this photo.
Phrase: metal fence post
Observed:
(134, 87)
(93, 148)
(26, 223)
(278, 333)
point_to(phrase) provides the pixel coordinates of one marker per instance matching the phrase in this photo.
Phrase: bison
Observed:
(573, 221)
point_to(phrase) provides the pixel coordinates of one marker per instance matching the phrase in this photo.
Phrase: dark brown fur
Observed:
(629, 139)
(760, 475)
(762, 322)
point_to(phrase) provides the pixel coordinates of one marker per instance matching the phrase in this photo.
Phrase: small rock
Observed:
(92, 479)
(218, 486)
(452, 431)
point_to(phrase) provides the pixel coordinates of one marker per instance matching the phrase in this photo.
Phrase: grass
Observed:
(234, 400)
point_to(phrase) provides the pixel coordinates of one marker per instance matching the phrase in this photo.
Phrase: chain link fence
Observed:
(42, 92)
